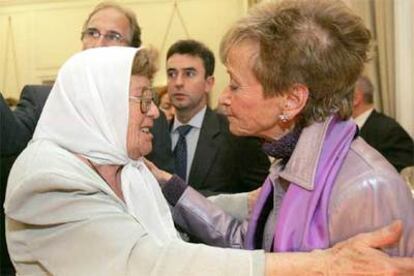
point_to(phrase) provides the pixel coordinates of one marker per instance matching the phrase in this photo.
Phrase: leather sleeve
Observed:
(369, 202)
(199, 217)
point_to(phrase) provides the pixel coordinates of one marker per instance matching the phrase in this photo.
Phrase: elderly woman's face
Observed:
(142, 113)
(249, 113)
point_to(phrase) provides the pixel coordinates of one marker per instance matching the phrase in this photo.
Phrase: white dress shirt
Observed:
(362, 118)
(192, 136)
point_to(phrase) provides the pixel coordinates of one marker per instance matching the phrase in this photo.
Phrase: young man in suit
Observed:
(109, 24)
(380, 131)
(216, 160)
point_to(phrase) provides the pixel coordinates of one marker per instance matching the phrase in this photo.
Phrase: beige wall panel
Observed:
(48, 32)
(30, 41)
(204, 20)
(209, 27)
(15, 59)
(3, 33)
(57, 35)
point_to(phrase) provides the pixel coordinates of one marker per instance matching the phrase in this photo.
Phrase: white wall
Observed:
(404, 39)
(36, 36)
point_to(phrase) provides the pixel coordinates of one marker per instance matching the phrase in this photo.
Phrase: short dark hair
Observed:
(134, 37)
(194, 48)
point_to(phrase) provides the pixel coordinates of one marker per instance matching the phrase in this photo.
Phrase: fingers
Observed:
(384, 237)
(404, 266)
(149, 164)
(161, 176)
(360, 255)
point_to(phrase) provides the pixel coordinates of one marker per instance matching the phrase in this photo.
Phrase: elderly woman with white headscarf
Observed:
(81, 201)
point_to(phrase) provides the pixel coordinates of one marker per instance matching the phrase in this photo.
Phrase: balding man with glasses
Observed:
(110, 24)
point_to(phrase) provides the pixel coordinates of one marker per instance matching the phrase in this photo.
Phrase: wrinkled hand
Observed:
(360, 255)
(161, 176)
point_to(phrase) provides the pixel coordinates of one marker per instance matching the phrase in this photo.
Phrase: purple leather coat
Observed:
(368, 193)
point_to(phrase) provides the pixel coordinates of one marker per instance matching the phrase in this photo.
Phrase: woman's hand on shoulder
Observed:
(161, 176)
(363, 252)
(359, 255)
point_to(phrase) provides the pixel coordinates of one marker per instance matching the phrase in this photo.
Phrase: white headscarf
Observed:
(87, 113)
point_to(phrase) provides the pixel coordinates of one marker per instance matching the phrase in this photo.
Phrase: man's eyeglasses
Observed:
(145, 99)
(94, 34)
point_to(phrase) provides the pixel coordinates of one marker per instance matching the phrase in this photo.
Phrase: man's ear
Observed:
(296, 100)
(357, 98)
(209, 84)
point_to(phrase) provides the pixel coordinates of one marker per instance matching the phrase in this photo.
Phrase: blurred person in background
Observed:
(165, 103)
(380, 131)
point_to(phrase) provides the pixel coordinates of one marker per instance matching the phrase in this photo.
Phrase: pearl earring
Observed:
(284, 117)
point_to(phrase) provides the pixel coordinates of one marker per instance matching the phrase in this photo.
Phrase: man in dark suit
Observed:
(14, 135)
(17, 128)
(30, 106)
(108, 24)
(380, 131)
(216, 160)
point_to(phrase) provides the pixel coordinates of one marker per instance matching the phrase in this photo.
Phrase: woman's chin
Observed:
(239, 132)
(146, 151)
(140, 153)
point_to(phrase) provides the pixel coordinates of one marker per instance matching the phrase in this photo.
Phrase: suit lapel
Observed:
(207, 147)
(365, 130)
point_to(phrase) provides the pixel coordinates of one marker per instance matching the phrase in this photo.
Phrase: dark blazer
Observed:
(161, 153)
(224, 163)
(388, 137)
(31, 103)
(14, 135)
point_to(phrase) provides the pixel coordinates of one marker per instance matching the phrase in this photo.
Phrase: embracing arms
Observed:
(359, 255)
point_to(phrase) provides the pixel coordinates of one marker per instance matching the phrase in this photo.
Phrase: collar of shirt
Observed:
(362, 118)
(195, 122)
(191, 138)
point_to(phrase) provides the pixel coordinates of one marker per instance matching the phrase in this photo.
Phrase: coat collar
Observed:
(301, 167)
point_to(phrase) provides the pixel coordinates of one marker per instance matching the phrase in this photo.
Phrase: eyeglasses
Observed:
(94, 34)
(145, 100)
